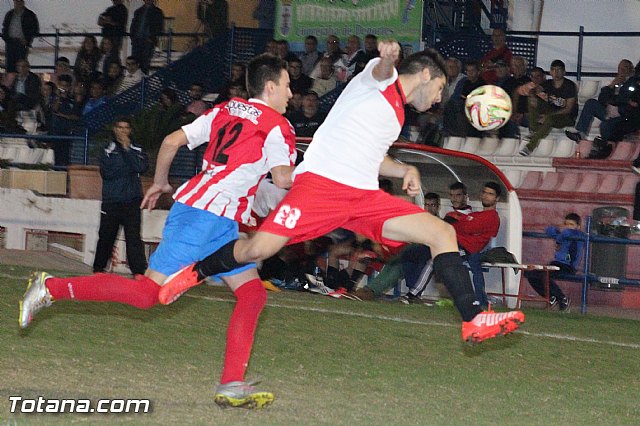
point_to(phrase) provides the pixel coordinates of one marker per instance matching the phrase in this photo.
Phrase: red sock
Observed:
(251, 298)
(141, 292)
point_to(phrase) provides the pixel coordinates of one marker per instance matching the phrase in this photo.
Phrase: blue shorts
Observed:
(189, 235)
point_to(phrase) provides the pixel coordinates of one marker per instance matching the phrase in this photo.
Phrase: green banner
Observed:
(388, 19)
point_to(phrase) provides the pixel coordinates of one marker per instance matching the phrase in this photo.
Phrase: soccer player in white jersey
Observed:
(246, 140)
(332, 191)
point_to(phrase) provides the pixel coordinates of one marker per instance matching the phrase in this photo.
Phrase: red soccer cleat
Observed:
(177, 284)
(487, 325)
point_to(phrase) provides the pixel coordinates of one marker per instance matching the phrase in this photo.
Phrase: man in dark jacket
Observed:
(120, 166)
(19, 28)
(114, 23)
(147, 23)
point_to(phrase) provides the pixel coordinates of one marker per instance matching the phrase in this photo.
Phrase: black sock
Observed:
(448, 266)
(218, 262)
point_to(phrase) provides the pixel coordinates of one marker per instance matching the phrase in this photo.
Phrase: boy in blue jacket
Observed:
(567, 258)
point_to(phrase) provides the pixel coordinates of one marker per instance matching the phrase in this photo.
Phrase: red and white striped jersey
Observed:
(246, 139)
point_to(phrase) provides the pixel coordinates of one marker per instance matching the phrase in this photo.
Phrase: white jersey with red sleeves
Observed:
(351, 143)
(246, 139)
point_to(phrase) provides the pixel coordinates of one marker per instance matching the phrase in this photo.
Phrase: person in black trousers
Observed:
(19, 27)
(121, 163)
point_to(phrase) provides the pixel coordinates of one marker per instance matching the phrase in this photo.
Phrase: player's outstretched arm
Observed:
(167, 152)
(410, 176)
(389, 54)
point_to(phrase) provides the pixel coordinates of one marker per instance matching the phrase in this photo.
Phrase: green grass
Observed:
(329, 362)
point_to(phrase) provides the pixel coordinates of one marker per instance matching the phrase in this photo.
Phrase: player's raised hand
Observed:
(389, 50)
(153, 194)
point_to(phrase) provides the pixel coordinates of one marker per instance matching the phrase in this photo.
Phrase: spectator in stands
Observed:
(334, 53)
(307, 121)
(121, 164)
(132, 76)
(520, 78)
(271, 47)
(114, 24)
(300, 82)
(474, 231)
(597, 108)
(370, 51)
(65, 119)
(197, 106)
(455, 121)
(113, 79)
(26, 88)
(509, 84)
(238, 72)
(108, 55)
(311, 56)
(284, 52)
(214, 14)
(500, 51)
(326, 81)
(455, 77)
(265, 14)
(567, 257)
(353, 56)
(87, 59)
(294, 105)
(19, 28)
(147, 24)
(48, 99)
(96, 97)
(8, 122)
(555, 106)
(63, 67)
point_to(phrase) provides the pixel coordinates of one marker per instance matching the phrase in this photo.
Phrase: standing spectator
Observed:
(265, 14)
(214, 14)
(147, 23)
(307, 121)
(108, 55)
(567, 258)
(96, 97)
(114, 23)
(197, 106)
(19, 28)
(311, 56)
(556, 105)
(63, 67)
(132, 76)
(499, 51)
(121, 163)
(300, 83)
(326, 81)
(87, 60)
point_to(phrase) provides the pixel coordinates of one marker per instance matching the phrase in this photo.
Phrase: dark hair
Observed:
(63, 59)
(432, 196)
(296, 60)
(65, 77)
(170, 93)
(386, 185)
(472, 63)
(539, 69)
(122, 119)
(260, 70)
(313, 38)
(574, 217)
(557, 63)
(458, 185)
(495, 187)
(428, 58)
(52, 85)
(134, 59)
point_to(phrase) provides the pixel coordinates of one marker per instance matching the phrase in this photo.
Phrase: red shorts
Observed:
(316, 206)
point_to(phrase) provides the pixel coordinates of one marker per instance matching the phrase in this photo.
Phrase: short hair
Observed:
(262, 69)
(312, 93)
(312, 38)
(472, 63)
(494, 186)
(458, 185)
(51, 84)
(296, 60)
(66, 78)
(428, 58)
(538, 69)
(371, 37)
(432, 196)
(557, 63)
(197, 83)
(122, 119)
(64, 59)
(574, 217)
(134, 59)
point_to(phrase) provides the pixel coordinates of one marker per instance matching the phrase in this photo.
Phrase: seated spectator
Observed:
(555, 106)
(132, 76)
(509, 84)
(299, 82)
(63, 67)
(153, 124)
(8, 122)
(197, 106)
(334, 53)
(455, 77)
(65, 119)
(455, 121)
(87, 60)
(48, 99)
(294, 105)
(311, 56)
(96, 97)
(326, 81)
(307, 121)
(112, 79)
(520, 78)
(500, 51)
(26, 91)
(283, 51)
(353, 56)
(370, 52)
(108, 55)
(567, 258)
(238, 72)
(597, 108)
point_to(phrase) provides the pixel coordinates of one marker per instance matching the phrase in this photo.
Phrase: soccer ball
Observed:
(488, 107)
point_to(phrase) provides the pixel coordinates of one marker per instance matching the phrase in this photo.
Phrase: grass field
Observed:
(329, 362)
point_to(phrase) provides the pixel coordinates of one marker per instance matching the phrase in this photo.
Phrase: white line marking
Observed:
(430, 323)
